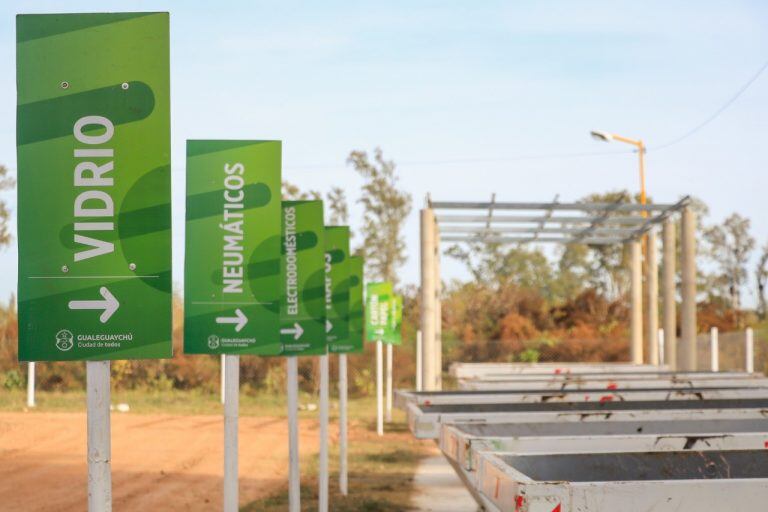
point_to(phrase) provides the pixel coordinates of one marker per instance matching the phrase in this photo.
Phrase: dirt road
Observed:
(159, 462)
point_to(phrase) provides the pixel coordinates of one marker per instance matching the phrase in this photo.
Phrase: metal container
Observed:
(424, 420)
(475, 370)
(691, 481)
(604, 394)
(461, 442)
(611, 382)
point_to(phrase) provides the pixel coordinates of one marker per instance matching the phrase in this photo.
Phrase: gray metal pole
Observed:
(438, 314)
(222, 384)
(379, 388)
(419, 360)
(652, 298)
(231, 413)
(99, 437)
(389, 383)
(294, 478)
(687, 360)
(636, 302)
(714, 350)
(31, 384)
(669, 302)
(428, 297)
(343, 437)
(322, 481)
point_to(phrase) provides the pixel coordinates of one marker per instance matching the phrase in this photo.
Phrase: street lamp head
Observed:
(601, 136)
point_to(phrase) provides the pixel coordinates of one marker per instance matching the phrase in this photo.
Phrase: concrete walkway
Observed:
(438, 489)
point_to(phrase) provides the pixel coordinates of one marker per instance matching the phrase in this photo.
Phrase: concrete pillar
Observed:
(668, 290)
(438, 315)
(428, 297)
(635, 303)
(652, 298)
(687, 360)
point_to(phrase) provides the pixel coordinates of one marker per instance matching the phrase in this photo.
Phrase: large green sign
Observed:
(378, 300)
(232, 282)
(302, 311)
(356, 320)
(337, 288)
(94, 215)
(394, 334)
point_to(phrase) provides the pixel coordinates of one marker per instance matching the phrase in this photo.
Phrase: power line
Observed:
(716, 113)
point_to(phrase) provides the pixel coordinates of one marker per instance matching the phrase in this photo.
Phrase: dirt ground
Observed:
(159, 462)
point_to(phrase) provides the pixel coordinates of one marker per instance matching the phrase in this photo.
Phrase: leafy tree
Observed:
(337, 209)
(386, 208)
(291, 192)
(6, 183)
(729, 246)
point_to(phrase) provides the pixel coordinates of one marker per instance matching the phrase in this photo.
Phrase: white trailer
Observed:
(690, 481)
(424, 420)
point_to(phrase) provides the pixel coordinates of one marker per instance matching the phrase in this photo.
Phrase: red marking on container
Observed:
(557, 508)
(518, 503)
(765, 444)
(586, 398)
(612, 386)
(427, 402)
(606, 398)
(557, 371)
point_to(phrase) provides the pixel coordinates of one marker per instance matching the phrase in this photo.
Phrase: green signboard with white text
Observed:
(232, 282)
(356, 318)
(302, 311)
(337, 288)
(378, 301)
(395, 335)
(94, 214)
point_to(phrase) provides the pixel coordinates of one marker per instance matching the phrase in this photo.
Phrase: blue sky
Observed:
(457, 91)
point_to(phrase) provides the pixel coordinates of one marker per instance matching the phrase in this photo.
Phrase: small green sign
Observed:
(356, 319)
(302, 311)
(232, 283)
(395, 334)
(377, 310)
(337, 288)
(94, 178)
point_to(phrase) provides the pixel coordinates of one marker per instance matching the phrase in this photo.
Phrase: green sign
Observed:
(377, 310)
(395, 335)
(337, 288)
(356, 320)
(232, 282)
(302, 311)
(94, 178)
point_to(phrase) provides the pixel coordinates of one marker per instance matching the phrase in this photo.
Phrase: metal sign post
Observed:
(379, 389)
(343, 438)
(94, 215)
(31, 384)
(294, 482)
(389, 383)
(377, 328)
(337, 299)
(302, 311)
(232, 290)
(231, 413)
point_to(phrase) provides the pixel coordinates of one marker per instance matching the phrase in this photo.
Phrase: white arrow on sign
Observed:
(239, 320)
(109, 304)
(297, 331)
(328, 325)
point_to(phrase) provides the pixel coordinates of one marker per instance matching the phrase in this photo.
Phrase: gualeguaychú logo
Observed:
(213, 342)
(64, 340)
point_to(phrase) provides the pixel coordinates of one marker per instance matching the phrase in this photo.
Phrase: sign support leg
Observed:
(223, 378)
(294, 482)
(379, 390)
(389, 383)
(231, 406)
(99, 437)
(31, 384)
(343, 478)
(323, 459)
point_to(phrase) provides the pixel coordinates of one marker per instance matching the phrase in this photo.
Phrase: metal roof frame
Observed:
(585, 223)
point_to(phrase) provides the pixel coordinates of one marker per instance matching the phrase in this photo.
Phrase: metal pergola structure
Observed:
(585, 223)
(495, 222)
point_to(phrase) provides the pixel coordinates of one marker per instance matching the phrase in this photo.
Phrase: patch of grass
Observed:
(381, 472)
